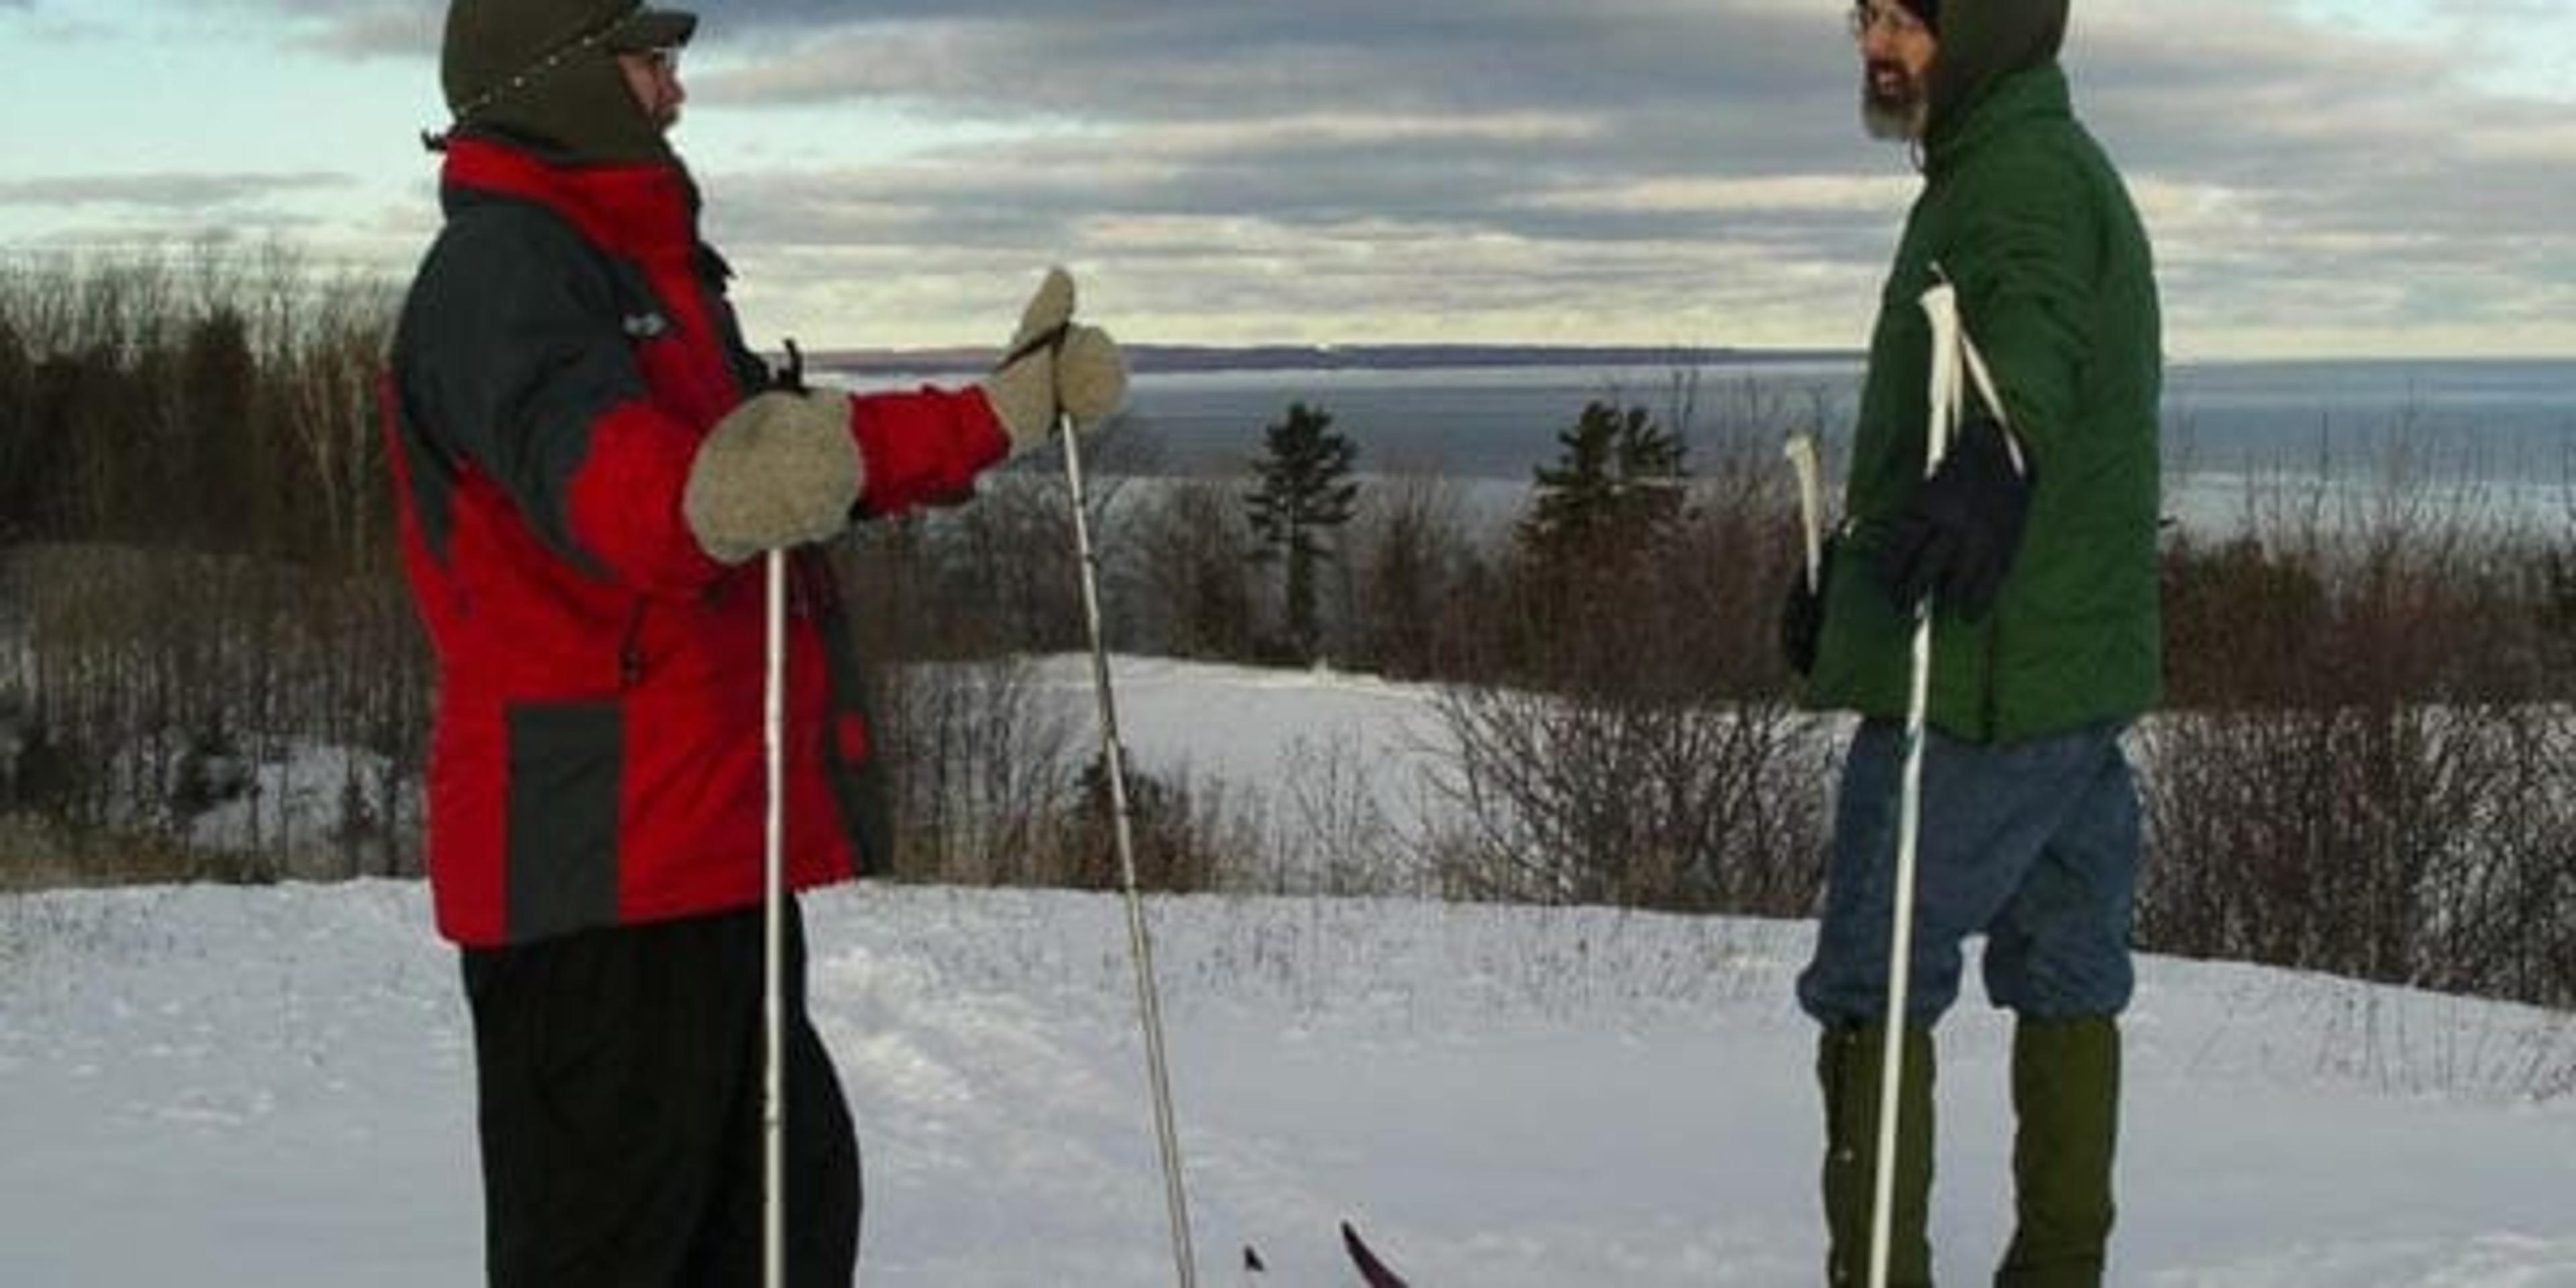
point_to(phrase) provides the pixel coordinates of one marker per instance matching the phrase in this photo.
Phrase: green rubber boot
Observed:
(2066, 1097)
(1848, 1067)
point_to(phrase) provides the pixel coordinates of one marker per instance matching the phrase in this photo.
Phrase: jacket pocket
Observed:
(566, 780)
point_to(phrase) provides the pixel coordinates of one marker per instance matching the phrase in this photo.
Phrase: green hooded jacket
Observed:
(2024, 214)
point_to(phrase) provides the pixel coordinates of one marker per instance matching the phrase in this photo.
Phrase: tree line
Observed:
(2366, 766)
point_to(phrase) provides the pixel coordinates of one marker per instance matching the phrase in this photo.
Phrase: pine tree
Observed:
(1615, 488)
(1305, 489)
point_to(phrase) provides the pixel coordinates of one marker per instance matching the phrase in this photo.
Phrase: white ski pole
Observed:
(1801, 451)
(773, 878)
(1940, 305)
(1140, 943)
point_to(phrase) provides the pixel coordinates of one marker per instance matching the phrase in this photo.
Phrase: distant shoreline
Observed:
(1170, 359)
(1167, 358)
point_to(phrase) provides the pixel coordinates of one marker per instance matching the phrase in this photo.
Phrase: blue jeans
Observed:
(2035, 845)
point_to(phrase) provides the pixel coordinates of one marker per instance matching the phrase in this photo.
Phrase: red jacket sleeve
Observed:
(924, 447)
(624, 500)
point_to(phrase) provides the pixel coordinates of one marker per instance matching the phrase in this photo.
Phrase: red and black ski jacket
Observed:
(597, 753)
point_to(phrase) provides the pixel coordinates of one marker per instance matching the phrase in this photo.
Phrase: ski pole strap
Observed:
(790, 378)
(1047, 339)
(1957, 352)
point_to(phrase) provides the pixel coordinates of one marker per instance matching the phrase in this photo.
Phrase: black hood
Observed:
(1983, 41)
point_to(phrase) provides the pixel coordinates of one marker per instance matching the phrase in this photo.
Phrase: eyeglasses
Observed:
(1894, 19)
(665, 58)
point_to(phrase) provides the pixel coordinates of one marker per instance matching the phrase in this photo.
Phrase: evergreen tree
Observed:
(1305, 489)
(1616, 487)
(1193, 555)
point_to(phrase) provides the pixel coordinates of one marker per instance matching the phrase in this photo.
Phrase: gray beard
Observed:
(1898, 121)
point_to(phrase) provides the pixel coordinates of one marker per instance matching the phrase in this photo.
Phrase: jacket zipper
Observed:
(1994, 669)
(630, 649)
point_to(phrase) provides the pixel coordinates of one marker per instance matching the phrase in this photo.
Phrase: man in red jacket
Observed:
(587, 460)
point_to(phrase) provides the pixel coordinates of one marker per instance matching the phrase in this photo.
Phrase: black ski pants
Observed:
(619, 1078)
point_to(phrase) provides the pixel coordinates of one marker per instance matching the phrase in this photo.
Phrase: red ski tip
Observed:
(1372, 1271)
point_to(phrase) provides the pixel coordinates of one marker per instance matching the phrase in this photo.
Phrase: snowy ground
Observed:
(221, 1086)
(213, 1086)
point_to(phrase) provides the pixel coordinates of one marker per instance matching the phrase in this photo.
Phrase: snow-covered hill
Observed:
(218, 1086)
(226, 1086)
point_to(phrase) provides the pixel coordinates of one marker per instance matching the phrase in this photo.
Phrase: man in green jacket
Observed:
(2034, 547)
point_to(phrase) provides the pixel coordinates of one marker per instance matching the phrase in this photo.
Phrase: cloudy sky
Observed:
(2370, 177)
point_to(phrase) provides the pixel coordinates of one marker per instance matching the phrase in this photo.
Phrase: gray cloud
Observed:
(355, 29)
(2292, 174)
(176, 191)
(1165, 62)
(1497, 168)
(2338, 185)
(1364, 164)
(409, 31)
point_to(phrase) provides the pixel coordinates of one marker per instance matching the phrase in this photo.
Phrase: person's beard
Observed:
(1892, 103)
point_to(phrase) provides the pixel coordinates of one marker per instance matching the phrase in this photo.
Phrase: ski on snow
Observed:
(1373, 1272)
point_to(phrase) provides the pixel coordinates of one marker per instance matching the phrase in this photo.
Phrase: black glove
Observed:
(1802, 614)
(1958, 538)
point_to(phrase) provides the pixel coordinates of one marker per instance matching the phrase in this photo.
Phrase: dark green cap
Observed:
(546, 71)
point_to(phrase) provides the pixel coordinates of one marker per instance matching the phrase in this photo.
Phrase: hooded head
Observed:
(1923, 73)
(546, 71)
(1897, 40)
(1983, 41)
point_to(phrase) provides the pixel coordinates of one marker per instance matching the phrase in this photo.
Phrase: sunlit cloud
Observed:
(1646, 170)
